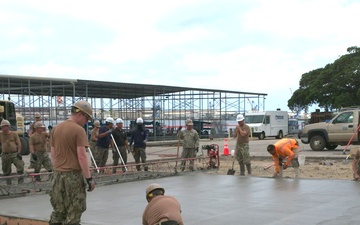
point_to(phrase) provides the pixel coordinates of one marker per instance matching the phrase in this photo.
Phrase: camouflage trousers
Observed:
(116, 158)
(140, 153)
(188, 153)
(43, 159)
(67, 197)
(7, 159)
(101, 156)
(242, 153)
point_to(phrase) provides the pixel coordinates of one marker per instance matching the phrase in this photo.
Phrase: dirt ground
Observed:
(329, 169)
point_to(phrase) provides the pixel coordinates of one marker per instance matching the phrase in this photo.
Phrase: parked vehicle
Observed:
(268, 124)
(338, 131)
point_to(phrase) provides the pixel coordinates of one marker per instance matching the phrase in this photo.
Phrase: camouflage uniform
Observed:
(9, 155)
(190, 143)
(38, 142)
(65, 211)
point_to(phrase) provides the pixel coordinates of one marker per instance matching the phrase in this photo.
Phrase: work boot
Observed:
(37, 178)
(248, 166)
(20, 179)
(146, 168)
(242, 169)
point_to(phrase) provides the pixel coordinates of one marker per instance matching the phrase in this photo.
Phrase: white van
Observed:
(268, 124)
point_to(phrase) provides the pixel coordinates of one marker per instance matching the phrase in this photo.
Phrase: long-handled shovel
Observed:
(92, 157)
(122, 160)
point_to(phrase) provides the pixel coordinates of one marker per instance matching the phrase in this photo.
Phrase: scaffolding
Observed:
(165, 108)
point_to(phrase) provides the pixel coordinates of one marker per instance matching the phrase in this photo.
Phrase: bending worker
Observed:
(286, 148)
(161, 209)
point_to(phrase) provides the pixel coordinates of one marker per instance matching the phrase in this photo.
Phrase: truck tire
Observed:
(262, 136)
(317, 143)
(331, 147)
(24, 146)
(280, 136)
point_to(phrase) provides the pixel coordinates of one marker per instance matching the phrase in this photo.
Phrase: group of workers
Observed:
(71, 173)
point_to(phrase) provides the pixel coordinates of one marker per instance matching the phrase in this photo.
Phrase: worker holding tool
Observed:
(242, 153)
(285, 149)
(139, 138)
(121, 141)
(94, 134)
(37, 144)
(190, 139)
(356, 165)
(103, 142)
(161, 209)
(71, 168)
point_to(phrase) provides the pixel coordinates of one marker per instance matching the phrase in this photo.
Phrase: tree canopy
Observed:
(335, 86)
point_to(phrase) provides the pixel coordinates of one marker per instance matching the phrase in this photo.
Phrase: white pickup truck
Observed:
(337, 131)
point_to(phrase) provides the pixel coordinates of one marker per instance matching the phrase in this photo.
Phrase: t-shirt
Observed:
(103, 142)
(119, 136)
(39, 141)
(243, 139)
(162, 207)
(65, 138)
(9, 142)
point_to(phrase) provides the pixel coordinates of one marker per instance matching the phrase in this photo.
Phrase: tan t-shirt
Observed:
(162, 207)
(243, 139)
(94, 134)
(65, 138)
(9, 142)
(39, 141)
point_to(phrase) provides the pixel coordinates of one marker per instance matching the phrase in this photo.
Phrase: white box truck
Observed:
(268, 124)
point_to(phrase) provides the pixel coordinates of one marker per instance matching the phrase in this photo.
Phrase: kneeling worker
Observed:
(161, 210)
(286, 148)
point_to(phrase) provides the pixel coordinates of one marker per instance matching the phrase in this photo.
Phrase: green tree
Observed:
(332, 87)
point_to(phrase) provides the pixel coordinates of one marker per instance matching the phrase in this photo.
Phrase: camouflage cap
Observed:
(189, 122)
(37, 115)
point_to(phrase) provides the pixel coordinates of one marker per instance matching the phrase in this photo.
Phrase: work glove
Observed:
(34, 156)
(91, 184)
(285, 166)
(196, 149)
(109, 131)
(19, 156)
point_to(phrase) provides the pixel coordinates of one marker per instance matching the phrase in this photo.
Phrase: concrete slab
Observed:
(214, 200)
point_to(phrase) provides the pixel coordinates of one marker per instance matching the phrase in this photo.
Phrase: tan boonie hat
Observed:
(5, 123)
(189, 122)
(39, 124)
(37, 115)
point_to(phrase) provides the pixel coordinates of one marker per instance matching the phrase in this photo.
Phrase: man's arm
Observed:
(83, 161)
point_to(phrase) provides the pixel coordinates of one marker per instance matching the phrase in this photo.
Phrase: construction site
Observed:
(205, 198)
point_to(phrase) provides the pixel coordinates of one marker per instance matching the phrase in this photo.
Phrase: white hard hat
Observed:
(139, 120)
(5, 123)
(119, 120)
(240, 117)
(109, 120)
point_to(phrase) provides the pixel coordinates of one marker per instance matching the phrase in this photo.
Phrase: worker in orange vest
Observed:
(285, 149)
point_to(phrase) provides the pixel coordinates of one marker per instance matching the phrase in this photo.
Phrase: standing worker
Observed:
(103, 142)
(121, 142)
(94, 134)
(139, 138)
(161, 209)
(32, 130)
(68, 154)
(11, 151)
(242, 153)
(356, 165)
(190, 139)
(285, 149)
(38, 145)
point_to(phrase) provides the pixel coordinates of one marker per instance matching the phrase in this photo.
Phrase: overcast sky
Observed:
(261, 46)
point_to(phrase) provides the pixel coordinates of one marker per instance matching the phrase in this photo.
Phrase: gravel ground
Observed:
(329, 169)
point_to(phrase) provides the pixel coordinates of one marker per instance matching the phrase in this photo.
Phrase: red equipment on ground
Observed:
(213, 154)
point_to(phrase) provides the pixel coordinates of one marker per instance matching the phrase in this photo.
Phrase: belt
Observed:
(7, 153)
(169, 222)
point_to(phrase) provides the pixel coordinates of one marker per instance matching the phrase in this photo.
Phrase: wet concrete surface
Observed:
(214, 200)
